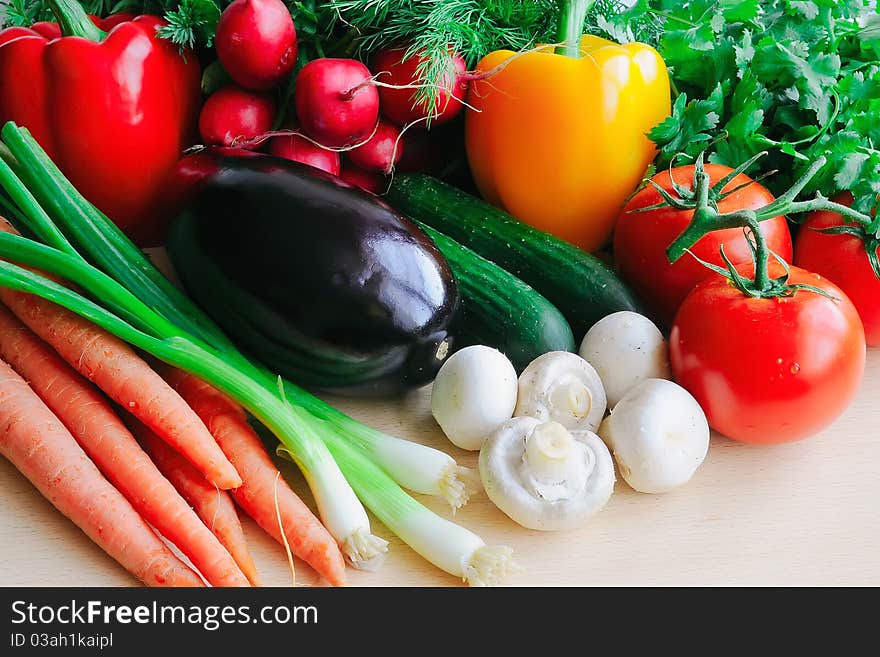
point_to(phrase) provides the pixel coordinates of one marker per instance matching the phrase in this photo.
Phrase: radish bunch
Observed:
(342, 104)
(345, 119)
(256, 44)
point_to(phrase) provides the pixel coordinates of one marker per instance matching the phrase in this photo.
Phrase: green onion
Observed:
(448, 546)
(97, 238)
(417, 467)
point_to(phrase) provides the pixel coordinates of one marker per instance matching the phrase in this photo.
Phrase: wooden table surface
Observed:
(800, 514)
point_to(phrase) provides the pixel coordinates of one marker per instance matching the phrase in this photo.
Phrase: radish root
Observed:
(286, 132)
(281, 531)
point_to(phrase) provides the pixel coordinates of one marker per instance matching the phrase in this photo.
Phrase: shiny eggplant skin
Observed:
(321, 281)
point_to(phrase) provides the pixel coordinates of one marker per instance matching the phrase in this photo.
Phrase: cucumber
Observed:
(499, 310)
(583, 287)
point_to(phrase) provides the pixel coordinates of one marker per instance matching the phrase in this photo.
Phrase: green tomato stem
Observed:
(571, 26)
(706, 218)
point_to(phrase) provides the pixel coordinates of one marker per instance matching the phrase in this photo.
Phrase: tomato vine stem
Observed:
(702, 199)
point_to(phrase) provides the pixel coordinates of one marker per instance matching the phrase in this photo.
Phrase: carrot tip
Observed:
(228, 482)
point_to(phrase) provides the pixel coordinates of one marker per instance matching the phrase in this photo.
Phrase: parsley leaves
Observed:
(800, 79)
(191, 22)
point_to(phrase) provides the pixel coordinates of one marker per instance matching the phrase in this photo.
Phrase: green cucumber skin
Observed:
(499, 310)
(583, 288)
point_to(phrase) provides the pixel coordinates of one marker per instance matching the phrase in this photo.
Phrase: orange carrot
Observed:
(37, 443)
(117, 370)
(90, 419)
(227, 422)
(212, 505)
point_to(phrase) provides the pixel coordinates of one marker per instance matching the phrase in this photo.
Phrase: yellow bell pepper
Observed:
(559, 140)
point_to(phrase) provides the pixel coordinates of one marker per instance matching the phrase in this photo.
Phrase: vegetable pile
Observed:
(117, 278)
(602, 230)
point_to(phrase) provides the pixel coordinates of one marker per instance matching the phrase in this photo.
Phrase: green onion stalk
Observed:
(447, 545)
(414, 466)
(125, 295)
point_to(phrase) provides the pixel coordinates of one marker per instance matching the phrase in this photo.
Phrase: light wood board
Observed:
(800, 514)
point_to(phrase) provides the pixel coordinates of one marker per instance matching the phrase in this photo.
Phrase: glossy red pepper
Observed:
(113, 110)
(51, 30)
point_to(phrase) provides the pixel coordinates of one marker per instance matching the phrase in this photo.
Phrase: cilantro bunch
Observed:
(798, 79)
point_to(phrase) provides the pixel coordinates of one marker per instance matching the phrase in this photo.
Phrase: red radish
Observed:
(336, 102)
(300, 149)
(381, 152)
(189, 173)
(400, 105)
(256, 43)
(232, 115)
(366, 180)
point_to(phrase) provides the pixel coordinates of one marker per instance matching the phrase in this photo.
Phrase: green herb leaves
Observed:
(691, 124)
(192, 22)
(800, 79)
(23, 13)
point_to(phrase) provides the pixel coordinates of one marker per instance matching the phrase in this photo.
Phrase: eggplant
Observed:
(321, 281)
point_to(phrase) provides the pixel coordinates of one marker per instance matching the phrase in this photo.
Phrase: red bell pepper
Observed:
(113, 110)
(51, 30)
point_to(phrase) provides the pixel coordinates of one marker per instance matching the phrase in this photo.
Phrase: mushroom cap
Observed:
(562, 387)
(625, 348)
(474, 392)
(502, 471)
(659, 436)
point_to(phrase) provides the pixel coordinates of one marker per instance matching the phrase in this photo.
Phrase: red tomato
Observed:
(768, 370)
(843, 259)
(641, 239)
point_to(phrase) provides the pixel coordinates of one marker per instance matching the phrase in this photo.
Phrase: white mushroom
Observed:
(659, 436)
(562, 387)
(625, 348)
(544, 476)
(474, 393)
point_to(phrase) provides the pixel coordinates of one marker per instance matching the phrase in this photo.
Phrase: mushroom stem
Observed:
(572, 397)
(561, 387)
(550, 449)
